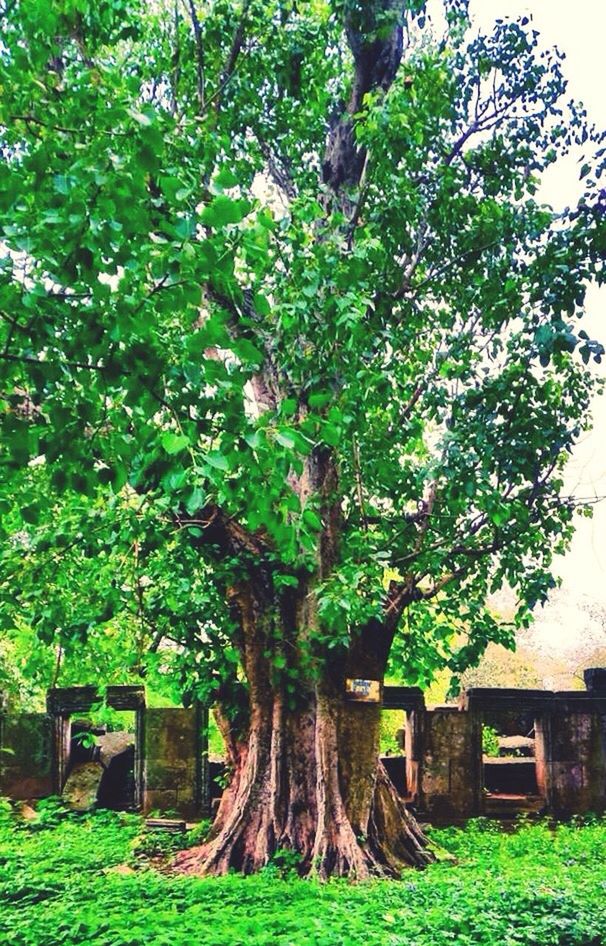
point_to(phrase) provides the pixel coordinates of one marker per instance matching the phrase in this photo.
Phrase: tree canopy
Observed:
(187, 308)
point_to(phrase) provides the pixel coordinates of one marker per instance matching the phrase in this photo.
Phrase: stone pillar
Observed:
(413, 749)
(542, 756)
(411, 701)
(595, 680)
(176, 762)
(451, 765)
(26, 755)
(61, 703)
(573, 762)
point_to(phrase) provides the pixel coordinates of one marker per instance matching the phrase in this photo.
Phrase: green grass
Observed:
(532, 887)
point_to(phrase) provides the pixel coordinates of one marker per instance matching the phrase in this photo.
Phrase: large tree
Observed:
(278, 269)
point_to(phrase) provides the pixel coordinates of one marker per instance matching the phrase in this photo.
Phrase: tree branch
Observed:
(199, 53)
(232, 58)
(376, 60)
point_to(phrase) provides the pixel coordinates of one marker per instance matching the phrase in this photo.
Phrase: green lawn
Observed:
(534, 886)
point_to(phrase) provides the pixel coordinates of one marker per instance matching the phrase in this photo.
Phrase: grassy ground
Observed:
(59, 887)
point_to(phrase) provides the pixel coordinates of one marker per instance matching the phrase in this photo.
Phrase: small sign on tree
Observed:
(363, 691)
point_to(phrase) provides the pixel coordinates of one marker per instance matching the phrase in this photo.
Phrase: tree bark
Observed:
(306, 777)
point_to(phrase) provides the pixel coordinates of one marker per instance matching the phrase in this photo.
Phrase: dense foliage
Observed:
(58, 887)
(188, 313)
(291, 366)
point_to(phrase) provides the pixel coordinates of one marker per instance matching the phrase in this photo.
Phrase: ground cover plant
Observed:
(63, 883)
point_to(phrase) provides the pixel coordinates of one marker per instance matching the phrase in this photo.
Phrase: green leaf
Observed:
(247, 352)
(285, 439)
(319, 399)
(195, 500)
(223, 210)
(174, 443)
(255, 439)
(288, 407)
(217, 460)
(312, 519)
(226, 178)
(232, 655)
(142, 118)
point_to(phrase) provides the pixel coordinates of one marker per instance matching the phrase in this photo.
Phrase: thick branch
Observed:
(376, 60)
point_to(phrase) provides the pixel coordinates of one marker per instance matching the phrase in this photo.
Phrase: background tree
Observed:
(278, 269)
(89, 592)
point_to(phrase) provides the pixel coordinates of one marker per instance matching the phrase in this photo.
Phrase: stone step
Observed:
(508, 806)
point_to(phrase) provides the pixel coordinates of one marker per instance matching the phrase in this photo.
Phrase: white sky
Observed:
(579, 30)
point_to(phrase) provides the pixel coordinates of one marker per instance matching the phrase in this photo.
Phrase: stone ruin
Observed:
(552, 752)
(162, 766)
(551, 758)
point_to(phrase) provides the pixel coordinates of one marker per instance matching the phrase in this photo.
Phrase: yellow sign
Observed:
(364, 691)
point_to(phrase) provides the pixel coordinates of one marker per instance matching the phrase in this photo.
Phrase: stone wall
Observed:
(450, 766)
(175, 762)
(445, 769)
(573, 756)
(170, 763)
(445, 776)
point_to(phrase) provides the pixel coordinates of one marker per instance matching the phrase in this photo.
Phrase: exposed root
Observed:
(288, 796)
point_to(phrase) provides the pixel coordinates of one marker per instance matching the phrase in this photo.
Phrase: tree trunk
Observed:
(308, 780)
(306, 776)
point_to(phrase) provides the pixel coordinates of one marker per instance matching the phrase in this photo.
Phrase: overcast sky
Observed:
(579, 30)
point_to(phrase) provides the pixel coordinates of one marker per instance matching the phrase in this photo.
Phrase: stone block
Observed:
(595, 680)
(82, 786)
(63, 701)
(125, 697)
(575, 763)
(403, 698)
(413, 750)
(511, 711)
(450, 767)
(176, 761)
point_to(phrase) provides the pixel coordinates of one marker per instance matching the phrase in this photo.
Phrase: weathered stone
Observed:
(67, 700)
(595, 680)
(80, 792)
(511, 711)
(124, 870)
(27, 813)
(450, 768)
(516, 745)
(170, 825)
(403, 698)
(573, 762)
(125, 697)
(442, 748)
(112, 744)
(413, 752)
(176, 763)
